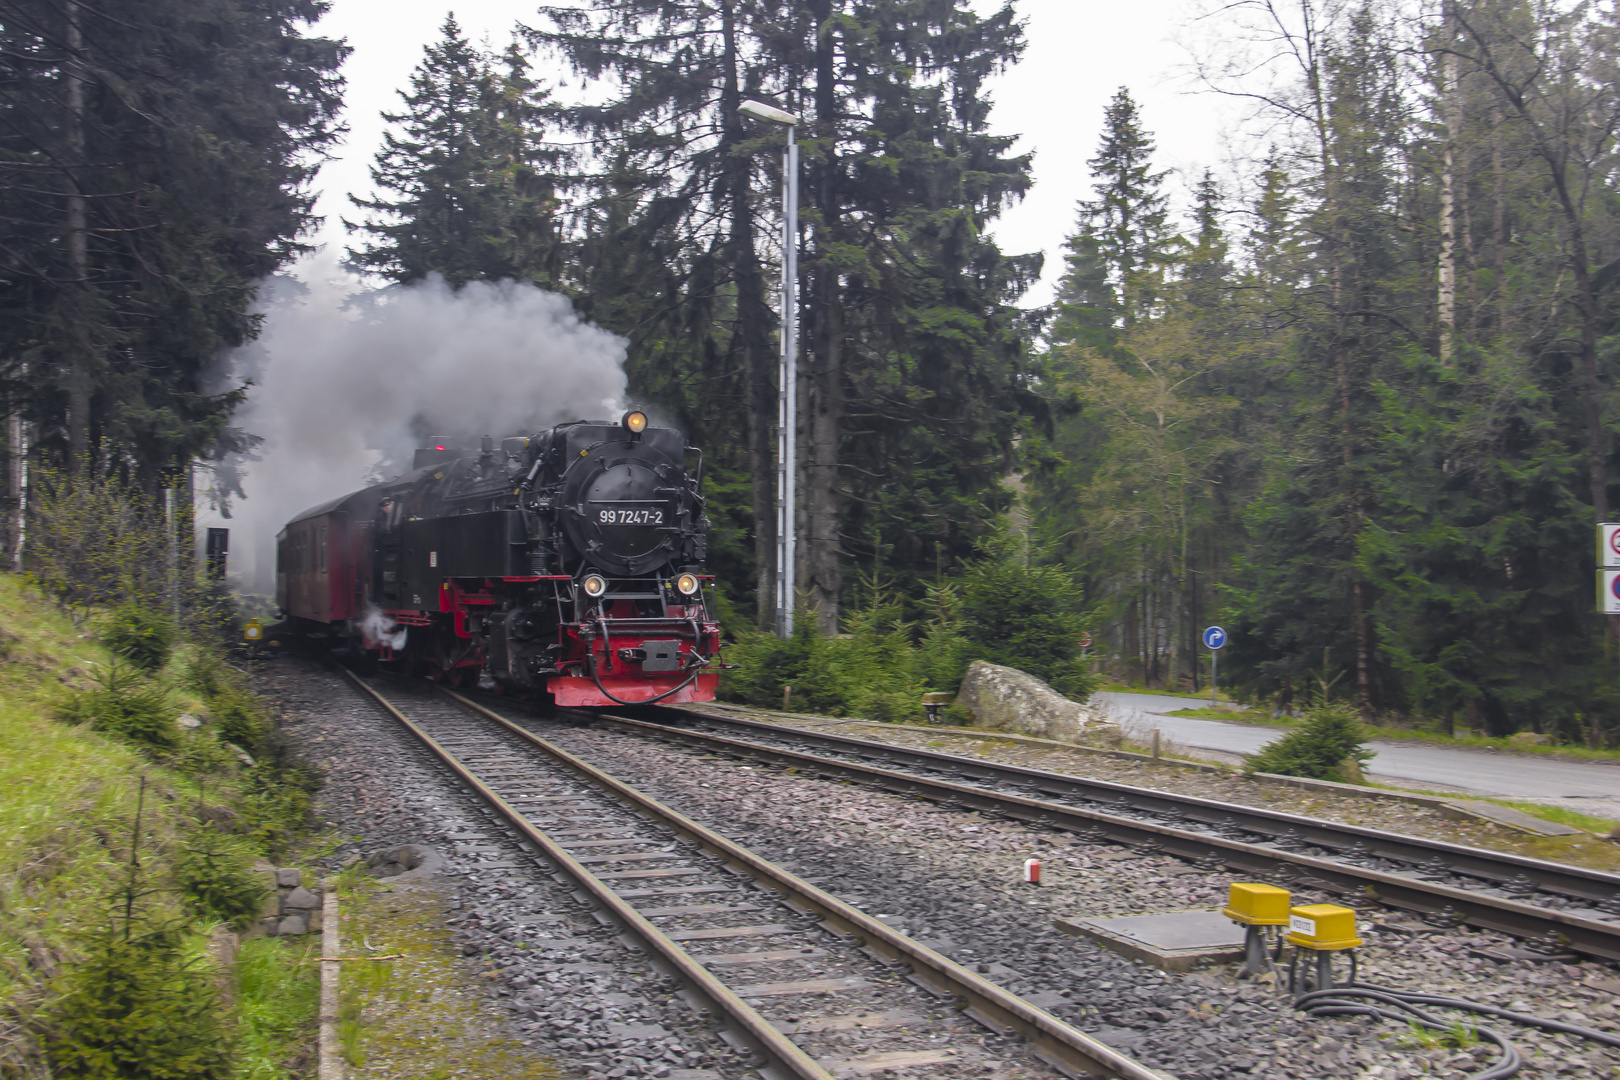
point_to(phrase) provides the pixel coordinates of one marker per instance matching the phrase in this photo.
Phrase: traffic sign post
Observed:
(1608, 545)
(1608, 560)
(1214, 641)
(1608, 582)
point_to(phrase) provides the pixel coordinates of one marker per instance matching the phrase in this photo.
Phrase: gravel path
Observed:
(952, 879)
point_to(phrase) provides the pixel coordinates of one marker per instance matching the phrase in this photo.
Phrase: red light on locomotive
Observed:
(438, 448)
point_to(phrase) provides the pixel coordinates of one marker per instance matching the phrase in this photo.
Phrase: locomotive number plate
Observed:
(630, 517)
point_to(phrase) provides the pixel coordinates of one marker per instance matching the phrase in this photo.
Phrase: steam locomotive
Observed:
(568, 563)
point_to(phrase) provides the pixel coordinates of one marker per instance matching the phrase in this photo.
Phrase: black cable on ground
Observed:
(1360, 999)
(1340, 1001)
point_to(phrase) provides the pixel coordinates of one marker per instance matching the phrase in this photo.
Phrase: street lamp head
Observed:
(761, 111)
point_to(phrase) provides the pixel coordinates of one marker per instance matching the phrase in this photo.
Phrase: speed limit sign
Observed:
(1085, 641)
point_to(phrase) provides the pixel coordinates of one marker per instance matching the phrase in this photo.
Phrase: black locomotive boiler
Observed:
(568, 562)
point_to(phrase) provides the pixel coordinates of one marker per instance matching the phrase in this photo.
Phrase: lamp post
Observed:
(787, 396)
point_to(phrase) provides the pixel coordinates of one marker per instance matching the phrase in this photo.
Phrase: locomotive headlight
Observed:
(687, 584)
(635, 421)
(595, 585)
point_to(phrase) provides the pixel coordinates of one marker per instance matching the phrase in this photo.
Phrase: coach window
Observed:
(323, 549)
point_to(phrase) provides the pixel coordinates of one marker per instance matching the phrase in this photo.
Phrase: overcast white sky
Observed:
(1078, 55)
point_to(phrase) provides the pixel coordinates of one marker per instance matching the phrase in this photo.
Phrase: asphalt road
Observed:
(1402, 764)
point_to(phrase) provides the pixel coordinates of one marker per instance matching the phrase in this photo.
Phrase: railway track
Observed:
(748, 940)
(1552, 905)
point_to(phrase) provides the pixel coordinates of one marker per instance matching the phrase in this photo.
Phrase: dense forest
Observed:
(1358, 408)
(1350, 397)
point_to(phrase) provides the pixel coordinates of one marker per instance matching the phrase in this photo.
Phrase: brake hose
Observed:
(607, 651)
(697, 669)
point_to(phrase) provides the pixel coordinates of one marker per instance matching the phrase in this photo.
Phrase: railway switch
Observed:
(1256, 907)
(1322, 929)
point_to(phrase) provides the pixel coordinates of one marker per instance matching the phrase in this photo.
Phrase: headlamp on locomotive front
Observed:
(635, 421)
(687, 584)
(594, 585)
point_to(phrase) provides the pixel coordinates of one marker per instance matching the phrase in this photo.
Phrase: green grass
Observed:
(1391, 733)
(1137, 688)
(67, 796)
(278, 1003)
(1483, 742)
(1561, 815)
(1458, 1036)
(1235, 716)
(67, 808)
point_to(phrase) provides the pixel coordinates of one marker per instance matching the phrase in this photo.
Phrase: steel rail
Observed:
(1282, 867)
(783, 1056)
(1051, 1039)
(1354, 841)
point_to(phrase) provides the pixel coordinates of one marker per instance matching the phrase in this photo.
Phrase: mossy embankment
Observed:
(138, 785)
(411, 1007)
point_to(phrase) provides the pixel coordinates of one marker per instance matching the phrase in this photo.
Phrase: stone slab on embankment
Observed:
(1006, 699)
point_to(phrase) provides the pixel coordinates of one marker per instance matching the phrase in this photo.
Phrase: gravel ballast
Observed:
(949, 878)
(570, 987)
(1414, 818)
(953, 880)
(591, 1005)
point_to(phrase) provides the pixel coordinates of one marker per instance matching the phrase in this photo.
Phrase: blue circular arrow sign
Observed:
(1214, 637)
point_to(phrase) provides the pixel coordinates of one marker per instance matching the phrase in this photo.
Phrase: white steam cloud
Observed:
(376, 628)
(348, 381)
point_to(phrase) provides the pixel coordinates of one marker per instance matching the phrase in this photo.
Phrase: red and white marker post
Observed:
(1032, 871)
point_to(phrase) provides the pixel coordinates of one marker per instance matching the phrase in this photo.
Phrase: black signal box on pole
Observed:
(217, 549)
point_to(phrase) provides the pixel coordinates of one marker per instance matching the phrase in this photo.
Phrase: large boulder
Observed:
(1007, 699)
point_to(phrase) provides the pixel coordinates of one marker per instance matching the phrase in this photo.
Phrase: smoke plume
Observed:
(348, 381)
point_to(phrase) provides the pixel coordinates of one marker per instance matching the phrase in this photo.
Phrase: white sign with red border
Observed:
(1608, 543)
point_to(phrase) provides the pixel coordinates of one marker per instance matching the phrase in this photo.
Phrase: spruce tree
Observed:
(1361, 421)
(1309, 582)
(914, 361)
(1206, 268)
(1128, 218)
(918, 376)
(673, 215)
(1086, 306)
(471, 196)
(154, 167)
(1151, 389)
